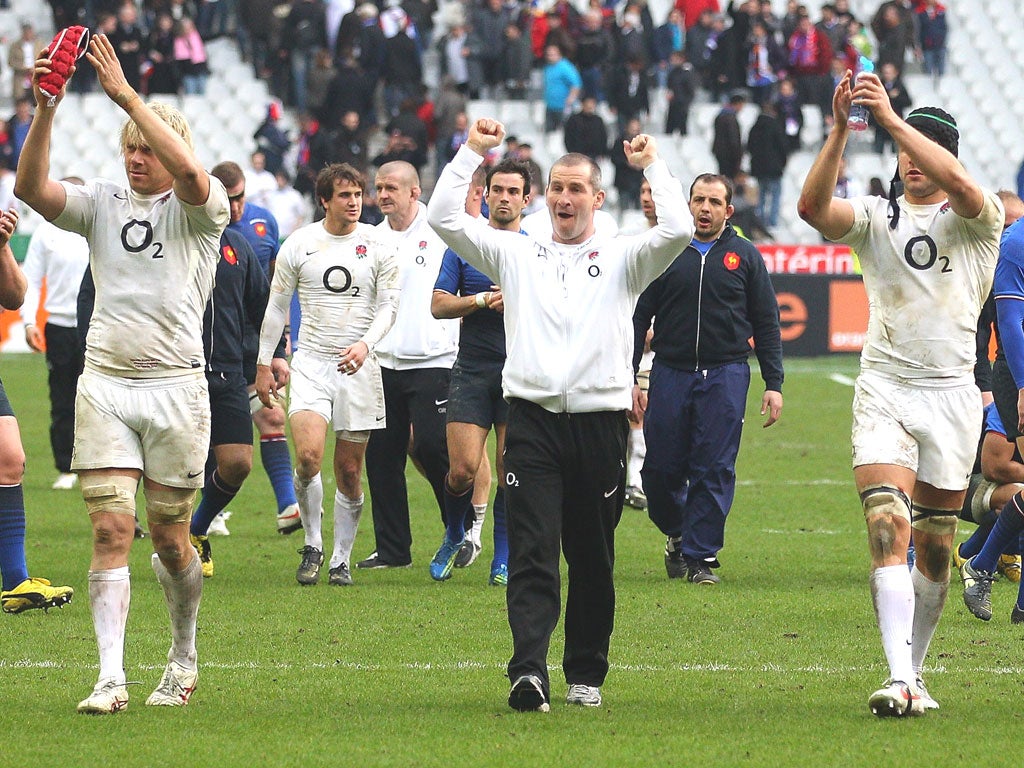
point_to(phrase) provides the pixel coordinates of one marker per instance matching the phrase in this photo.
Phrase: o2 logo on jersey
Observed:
(921, 253)
(137, 236)
(339, 283)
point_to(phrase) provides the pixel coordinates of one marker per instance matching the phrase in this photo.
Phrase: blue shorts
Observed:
(230, 418)
(474, 395)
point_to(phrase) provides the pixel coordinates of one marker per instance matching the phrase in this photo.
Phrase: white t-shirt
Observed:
(61, 259)
(348, 288)
(289, 209)
(926, 282)
(153, 261)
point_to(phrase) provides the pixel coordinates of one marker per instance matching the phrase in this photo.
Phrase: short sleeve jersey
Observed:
(338, 277)
(259, 227)
(926, 283)
(482, 333)
(153, 261)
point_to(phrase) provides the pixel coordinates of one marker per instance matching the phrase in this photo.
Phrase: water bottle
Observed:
(858, 120)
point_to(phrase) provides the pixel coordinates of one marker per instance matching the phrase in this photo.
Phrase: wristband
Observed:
(481, 299)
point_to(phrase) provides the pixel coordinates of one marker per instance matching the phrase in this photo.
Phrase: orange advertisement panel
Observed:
(847, 315)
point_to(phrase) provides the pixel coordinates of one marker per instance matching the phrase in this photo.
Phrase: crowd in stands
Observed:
(351, 69)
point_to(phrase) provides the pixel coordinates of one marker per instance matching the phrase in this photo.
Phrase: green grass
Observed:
(771, 668)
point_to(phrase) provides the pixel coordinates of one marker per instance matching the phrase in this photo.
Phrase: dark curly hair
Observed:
(939, 126)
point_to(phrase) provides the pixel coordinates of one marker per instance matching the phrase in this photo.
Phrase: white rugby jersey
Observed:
(926, 282)
(348, 289)
(153, 260)
(418, 340)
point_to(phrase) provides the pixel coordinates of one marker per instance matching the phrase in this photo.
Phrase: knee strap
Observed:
(885, 500)
(940, 522)
(169, 506)
(109, 493)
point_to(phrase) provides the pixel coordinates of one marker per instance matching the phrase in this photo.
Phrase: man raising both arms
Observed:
(142, 409)
(928, 258)
(568, 380)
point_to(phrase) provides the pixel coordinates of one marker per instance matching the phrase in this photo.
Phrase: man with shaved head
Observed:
(416, 359)
(569, 298)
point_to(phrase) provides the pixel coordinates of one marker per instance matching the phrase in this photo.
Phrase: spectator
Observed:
(129, 41)
(693, 10)
(349, 142)
(893, 25)
(698, 50)
(488, 24)
(628, 92)
(557, 34)
(764, 58)
(562, 85)
(594, 52)
(457, 138)
(766, 144)
(858, 40)
(259, 181)
(318, 82)
(287, 205)
(303, 33)
(21, 57)
(413, 132)
(889, 74)
(632, 42)
(668, 38)
(832, 27)
(628, 178)
(847, 187)
(351, 90)
(792, 116)
(681, 89)
(931, 32)
(403, 71)
(810, 57)
(727, 143)
(163, 74)
(454, 51)
(17, 129)
(585, 132)
(369, 43)
(190, 55)
(270, 139)
(517, 61)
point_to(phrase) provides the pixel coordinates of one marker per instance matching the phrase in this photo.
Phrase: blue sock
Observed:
(500, 532)
(217, 494)
(278, 464)
(1007, 529)
(12, 536)
(457, 508)
(977, 540)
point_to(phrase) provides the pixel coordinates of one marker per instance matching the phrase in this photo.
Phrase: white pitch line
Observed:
(840, 378)
(818, 481)
(478, 665)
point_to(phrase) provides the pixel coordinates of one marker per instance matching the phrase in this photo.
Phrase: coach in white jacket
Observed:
(568, 379)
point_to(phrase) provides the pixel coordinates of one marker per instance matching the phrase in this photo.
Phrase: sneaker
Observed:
(583, 695)
(527, 695)
(109, 696)
(1017, 615)
(468, 553)
(176, 687)
(65, 481)
(499, 575)
(375, 561)
(895, 699)
(202, 546)
(309, 569)
(675, 563)
(219, 525)
(340, 576)
(636, 498)
(443, 562)
(977, 590)
(289, 520)
(35, 593)
(1009, 566)
(140, 532)
(927, 702)
(699, 572)
(958, 562)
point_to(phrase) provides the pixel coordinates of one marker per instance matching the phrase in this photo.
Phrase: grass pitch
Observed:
(772, 667)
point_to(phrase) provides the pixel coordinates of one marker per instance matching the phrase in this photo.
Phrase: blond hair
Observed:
(131, 136)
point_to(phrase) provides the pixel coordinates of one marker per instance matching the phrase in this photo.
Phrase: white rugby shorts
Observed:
(933, 432)
(159, 425)
(349, 404)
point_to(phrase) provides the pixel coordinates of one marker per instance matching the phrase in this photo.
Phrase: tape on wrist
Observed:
(481, 299)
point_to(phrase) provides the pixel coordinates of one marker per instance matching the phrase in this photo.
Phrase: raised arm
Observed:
(32, 182)
(831, 216)
(191, 182)
(934, 161)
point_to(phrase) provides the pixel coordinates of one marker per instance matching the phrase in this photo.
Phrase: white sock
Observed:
(475, 533)
(929, 599)
(182, 593)
(310, 495)
(893, 593)
(346, 522)
(110, 593)
(637, 454)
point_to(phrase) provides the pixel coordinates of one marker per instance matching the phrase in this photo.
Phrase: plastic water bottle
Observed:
(858, 120)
